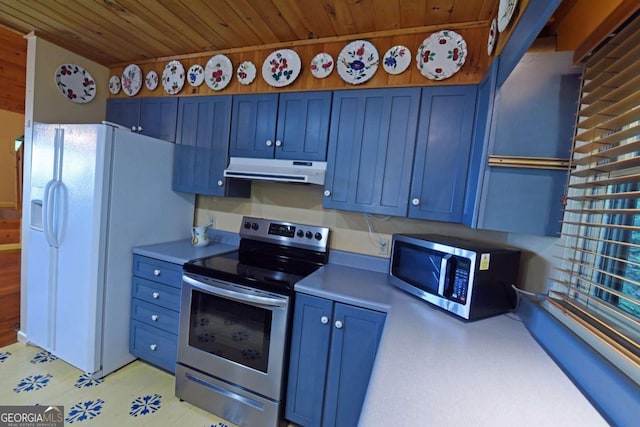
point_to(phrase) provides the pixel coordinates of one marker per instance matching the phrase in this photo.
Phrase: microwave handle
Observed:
(444, 268)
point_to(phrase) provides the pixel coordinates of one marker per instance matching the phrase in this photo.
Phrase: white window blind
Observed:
(598, 282)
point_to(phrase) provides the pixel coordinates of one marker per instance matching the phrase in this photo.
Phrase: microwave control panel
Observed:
(460, 280)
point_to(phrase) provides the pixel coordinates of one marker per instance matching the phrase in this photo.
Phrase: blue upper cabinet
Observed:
(371, 146)
(155, 117)
(291, 126)
(533, 118)
(201, 148)
(442, 153)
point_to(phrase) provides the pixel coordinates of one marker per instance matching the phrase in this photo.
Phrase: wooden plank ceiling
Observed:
(113, 32)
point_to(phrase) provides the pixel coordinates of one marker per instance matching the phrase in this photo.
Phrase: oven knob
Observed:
(300, 233)
(309, 235)
(318, 236)
(247, 225)
(254, 226)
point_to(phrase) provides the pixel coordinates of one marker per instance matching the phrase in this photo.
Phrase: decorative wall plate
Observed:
(322, 65)
(75, 83)
(281, 67)
(218, 72)
(114, 84)
(195, 75)
(173, 77)
(493, 35)
(441, 55)
(358, 62)
(396, 60)
(246, 72)
(151, 81)
(131, 80)
(505, 12)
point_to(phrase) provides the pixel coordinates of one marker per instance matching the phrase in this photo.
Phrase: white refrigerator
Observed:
(92, 193)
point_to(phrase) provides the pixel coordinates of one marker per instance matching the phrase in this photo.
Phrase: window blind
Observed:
(598, 280)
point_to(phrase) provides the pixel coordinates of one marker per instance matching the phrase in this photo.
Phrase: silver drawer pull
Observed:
(154, 317)
(156, 272)
(153, 347)
(155, 295)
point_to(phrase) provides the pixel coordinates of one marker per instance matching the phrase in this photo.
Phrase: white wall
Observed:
(349, 232)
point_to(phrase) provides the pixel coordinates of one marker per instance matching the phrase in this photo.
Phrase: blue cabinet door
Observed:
(124, 111)
(253, 125)
(308, 361)
(303, 126)
(354, 343)
(442, 153)
(201, 148)
(158, 117)
(371, 148)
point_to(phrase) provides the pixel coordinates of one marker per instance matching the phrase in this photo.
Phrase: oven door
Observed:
(234, 333)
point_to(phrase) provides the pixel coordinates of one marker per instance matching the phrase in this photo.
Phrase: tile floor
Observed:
(136, 395)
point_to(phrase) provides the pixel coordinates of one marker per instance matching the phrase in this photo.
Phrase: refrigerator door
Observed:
(41, 258)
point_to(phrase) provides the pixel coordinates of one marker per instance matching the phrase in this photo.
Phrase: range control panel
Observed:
(285, 233)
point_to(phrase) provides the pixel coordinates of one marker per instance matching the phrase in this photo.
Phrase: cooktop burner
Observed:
(273, 255)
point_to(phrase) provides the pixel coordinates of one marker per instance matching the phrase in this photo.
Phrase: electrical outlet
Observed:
(383, 246)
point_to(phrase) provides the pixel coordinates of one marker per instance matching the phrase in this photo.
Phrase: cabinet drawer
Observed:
(159, 271)
(153, 345)
(156, 293)
(155, 315)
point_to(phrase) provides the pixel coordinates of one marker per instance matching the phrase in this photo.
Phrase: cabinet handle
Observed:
(278, 143)
(153, 347)
(155, 295)
(133, 128)
(338, 324)
(156, 272)
(415, 202)
(220, 183)
(269, 143)
(154, 317)
(327, 193)
(139, 128)
(324, 320)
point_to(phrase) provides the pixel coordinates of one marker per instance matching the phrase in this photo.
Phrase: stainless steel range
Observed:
(235, 318)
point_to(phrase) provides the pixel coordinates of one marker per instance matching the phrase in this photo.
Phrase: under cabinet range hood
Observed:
(303, 171)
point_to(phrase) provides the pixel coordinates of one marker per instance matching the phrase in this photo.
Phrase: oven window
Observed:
(232, 330)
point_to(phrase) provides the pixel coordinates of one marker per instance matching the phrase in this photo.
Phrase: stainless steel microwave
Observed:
(469, 279)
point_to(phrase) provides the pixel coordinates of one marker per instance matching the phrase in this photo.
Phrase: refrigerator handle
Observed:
(46, 211)
(59, 196)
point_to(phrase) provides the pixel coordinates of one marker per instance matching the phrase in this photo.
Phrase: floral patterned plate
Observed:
(441, 55)
(151, 81)
(322, 65)
(195, 75)
(358, 62)
(75, 83)
(173, 77)
(131, 80)
(281, 67)
(505, 12)
(396, 60)
(246, 72)
(114, 84)
(218, 72)
(493, 34)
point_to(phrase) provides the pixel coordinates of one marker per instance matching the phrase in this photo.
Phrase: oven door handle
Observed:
(235, 295)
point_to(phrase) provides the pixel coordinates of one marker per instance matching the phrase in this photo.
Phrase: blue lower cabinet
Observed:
(333, 348)
(155, 306)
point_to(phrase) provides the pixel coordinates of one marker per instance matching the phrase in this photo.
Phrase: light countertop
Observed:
(434, 369)
(182, 251)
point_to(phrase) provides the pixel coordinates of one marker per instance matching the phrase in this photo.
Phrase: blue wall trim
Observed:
(611, 392)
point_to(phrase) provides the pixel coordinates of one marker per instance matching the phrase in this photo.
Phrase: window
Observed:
(598, 285)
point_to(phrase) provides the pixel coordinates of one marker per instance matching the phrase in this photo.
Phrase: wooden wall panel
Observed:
(476, 64)
(13, 71)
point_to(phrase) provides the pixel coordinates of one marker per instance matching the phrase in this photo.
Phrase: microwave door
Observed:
(444, 274)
